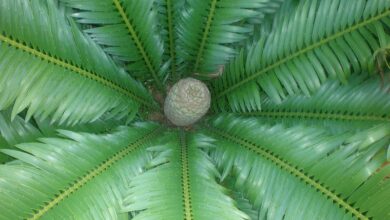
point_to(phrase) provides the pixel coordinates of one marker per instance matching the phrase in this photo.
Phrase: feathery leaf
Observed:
(18, 131)
(337, 172)
(168, 14)
(362, 103)
(306, 46)
(208, 31)
(127, 30)
(183, 185)
(73, 83)
(56, 170)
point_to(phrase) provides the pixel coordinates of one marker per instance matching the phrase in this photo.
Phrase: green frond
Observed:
(267, 9)
(185, 185)
(96, 127)
(299, 125)
(239, 197)
(362, 103)
(127, 30)
(15, 132)
(310, 42)
(18, 131)
(209, 29)
(262, 24)
(74, 82)
(57, 173)
(305, 173)
(169, 17)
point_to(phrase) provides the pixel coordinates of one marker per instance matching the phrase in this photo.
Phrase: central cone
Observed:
(187, 101)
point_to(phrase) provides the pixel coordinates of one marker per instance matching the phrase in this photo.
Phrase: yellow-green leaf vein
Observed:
(318, 115)
(138, 43)
(291, 169)
(205, 33)
(300, 52)
(74, 69)
(94, 173)
(185, 178)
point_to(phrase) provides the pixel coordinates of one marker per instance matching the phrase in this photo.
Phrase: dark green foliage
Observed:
(299, 126)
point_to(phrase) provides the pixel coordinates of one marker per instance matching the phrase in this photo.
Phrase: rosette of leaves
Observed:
(298, 126)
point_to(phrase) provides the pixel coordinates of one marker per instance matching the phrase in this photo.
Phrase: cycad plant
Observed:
(298, 125)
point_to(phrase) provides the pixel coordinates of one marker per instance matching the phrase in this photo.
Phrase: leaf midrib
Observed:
(138, 43)
(185, 177)
(349, 116)
(300, 52)
(94, 173)
(205, 33)
(268, 155)
(75, 69)
(171, 36)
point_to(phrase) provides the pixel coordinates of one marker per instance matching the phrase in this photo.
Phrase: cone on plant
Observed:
(187, 101)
